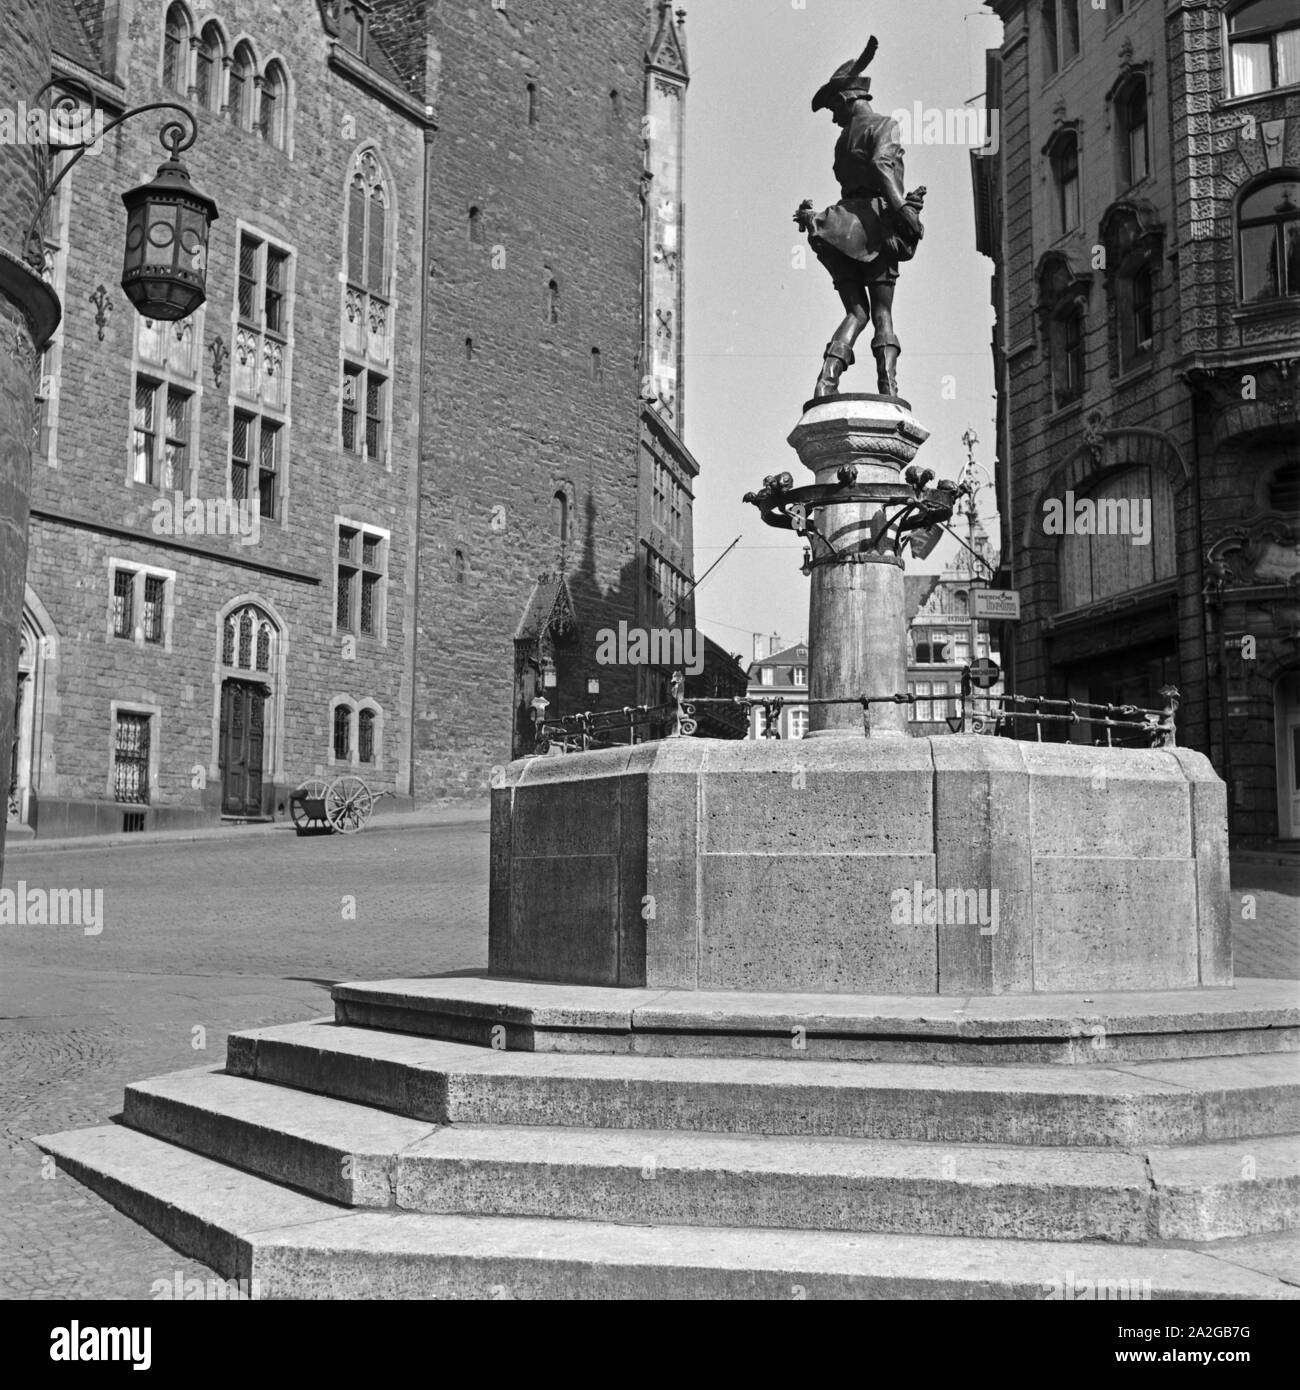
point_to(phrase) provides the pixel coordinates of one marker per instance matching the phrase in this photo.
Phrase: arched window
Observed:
(1264, 45)
(342, 733)
(615, 105)
(366, 736)
(176, 50)
(552, 301)
(208, 70)
(469, 349)
(353, 22)
(274, 98)
(367, 320)
(475, 226)
(560, 517)
(240, 93)
(1119, 536)
(597, 371)
(368, 227)
(1131, 131)
(377, 242)
(531, 92)
(248, 640)
(458, 566)
(1268, 235)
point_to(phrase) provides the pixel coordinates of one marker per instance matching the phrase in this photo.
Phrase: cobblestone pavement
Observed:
(201, 938)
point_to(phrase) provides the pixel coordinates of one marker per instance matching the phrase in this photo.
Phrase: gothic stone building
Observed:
(1142, 209)
(304, 532)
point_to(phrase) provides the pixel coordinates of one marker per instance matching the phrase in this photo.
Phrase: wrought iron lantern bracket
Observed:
(914, 507)
(169, 288)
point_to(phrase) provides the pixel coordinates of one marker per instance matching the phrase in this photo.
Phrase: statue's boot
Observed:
(885, 349)
(838, 357)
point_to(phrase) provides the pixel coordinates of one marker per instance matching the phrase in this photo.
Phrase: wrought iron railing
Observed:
(1157, 726)
(591, 729)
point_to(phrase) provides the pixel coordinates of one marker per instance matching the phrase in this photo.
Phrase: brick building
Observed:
(439, 366)
(1142, 209)
(178, 667)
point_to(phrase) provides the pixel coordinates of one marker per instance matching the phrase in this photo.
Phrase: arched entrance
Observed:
(248, 677)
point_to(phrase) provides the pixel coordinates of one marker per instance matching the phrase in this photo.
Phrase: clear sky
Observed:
(756, 325)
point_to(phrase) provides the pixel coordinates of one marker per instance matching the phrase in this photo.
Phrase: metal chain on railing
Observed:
(583, 731)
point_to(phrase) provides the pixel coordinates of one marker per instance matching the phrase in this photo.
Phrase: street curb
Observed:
(467, 813)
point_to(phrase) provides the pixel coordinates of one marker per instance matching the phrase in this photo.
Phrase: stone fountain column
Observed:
(857, 629)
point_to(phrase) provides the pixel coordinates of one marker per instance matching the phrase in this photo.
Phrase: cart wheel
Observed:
(314, 789)
(348, 802)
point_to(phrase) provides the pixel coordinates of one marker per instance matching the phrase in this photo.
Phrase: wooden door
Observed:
(243, 713)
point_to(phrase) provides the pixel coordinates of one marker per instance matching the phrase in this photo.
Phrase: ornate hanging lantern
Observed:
(164, 269)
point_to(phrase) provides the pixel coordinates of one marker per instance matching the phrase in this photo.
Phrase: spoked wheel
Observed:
(313, 791)
(348, 802)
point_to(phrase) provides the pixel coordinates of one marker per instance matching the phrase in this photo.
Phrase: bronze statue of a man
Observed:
(873, 227)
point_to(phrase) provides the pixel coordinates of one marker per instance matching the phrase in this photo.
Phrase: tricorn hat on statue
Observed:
(847, 79)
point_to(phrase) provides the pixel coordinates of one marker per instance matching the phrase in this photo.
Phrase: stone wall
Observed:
(514, 407)
(24, 67)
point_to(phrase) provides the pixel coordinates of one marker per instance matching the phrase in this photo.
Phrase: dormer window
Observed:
(354, 21)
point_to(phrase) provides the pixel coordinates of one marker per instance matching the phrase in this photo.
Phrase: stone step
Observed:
(1129, 1105)
(670, 1178)
(286, 1245)
(334, 1149)
(1098, 1028)
(365, 1157)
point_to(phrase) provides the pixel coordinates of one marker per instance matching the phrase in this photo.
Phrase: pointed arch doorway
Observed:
(248, 676)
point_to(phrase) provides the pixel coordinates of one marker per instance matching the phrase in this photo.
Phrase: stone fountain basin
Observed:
(933, 866)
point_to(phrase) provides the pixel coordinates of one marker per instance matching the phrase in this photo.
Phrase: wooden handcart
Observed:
(321, 807)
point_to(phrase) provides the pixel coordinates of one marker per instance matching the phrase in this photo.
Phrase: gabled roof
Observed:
(69, 37)
(667, 52)
(549, 608)
(796, 655)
